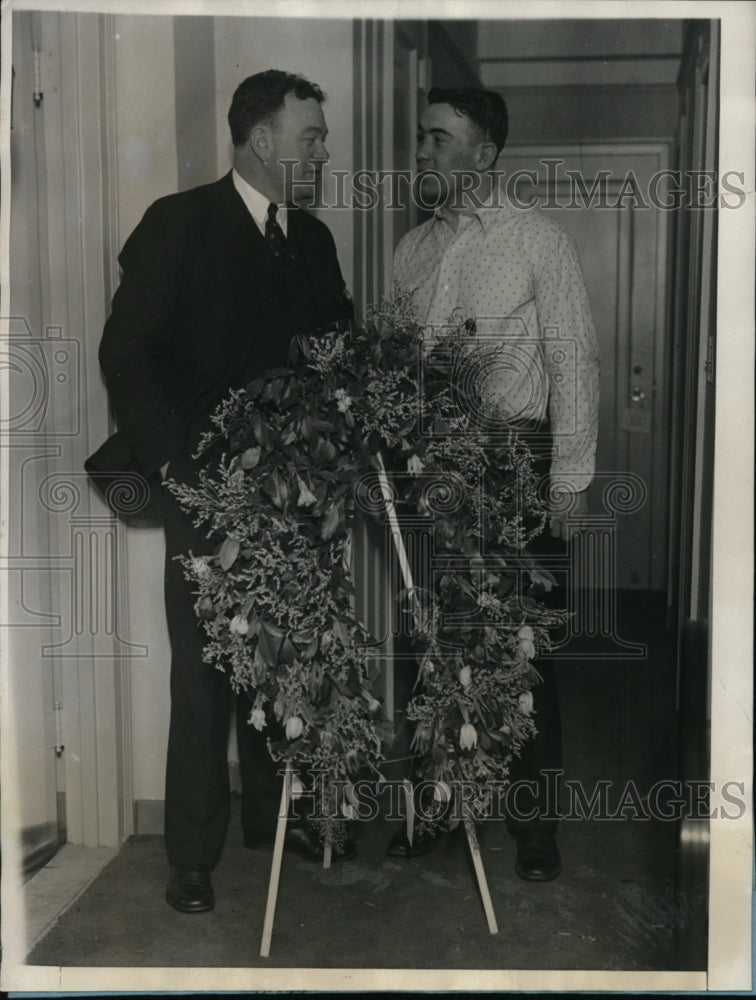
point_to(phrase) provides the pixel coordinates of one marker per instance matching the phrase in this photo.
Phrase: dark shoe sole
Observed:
(195, 907)
(537, 875)
(190, 908)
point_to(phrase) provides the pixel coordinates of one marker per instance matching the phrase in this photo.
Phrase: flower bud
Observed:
(278, 709)
(257, 718)
(465, 677)
(526, 632)
(527, 648)
(414, 465)
(239, 625)
(525, 702)
(206, 608)
(468, 736)
(306, 497)
(294, 727)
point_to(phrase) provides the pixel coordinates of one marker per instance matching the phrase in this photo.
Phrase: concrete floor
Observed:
(615, 906)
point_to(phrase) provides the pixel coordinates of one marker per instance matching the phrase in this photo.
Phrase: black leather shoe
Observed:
(537, 855)
(400, 847)
(189, 889)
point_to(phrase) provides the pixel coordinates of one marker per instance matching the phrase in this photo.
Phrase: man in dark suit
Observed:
(216, 281)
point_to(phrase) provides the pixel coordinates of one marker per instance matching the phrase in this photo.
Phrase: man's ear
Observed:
(260, 142)
(485, 156)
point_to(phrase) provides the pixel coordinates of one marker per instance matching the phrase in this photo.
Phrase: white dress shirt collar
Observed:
(257, 204)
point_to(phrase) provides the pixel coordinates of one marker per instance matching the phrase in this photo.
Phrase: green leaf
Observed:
(268, 644)
(275, 486)
(262, 432)
(288, 652)
(333, 520)
(250, 458)
(228, 553)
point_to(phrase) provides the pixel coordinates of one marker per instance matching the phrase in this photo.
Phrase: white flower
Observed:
(414, 465)
(525, 702)
(239, 625)
(294, 727)
(343, 402)
(527, 648)
(465, 677)
(468, 736)
(372, 703)
(526, 632)
(257, 718)
(486, 600)
(200, 567)
(306, 497)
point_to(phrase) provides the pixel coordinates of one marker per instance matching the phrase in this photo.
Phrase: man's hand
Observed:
(560, 517)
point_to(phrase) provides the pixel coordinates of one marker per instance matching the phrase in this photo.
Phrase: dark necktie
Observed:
(274, 234)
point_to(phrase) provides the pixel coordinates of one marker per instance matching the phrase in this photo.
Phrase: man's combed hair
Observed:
(485, 108)
(260, 97)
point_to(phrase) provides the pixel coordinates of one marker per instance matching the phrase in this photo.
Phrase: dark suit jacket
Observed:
(203, 307)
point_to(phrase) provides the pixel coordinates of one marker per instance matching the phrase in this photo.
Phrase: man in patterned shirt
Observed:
(516, 275)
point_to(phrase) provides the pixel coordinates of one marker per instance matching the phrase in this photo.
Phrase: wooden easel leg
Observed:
(472, 840)
(410, 808)
(275, 867)
(327, 849)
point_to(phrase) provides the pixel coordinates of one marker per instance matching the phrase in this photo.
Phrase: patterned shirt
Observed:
(517, 275)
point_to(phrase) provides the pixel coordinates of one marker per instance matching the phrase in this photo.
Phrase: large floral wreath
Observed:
(303, 447)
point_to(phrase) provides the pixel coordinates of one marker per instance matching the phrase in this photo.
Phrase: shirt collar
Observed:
(486, 214)
(257, 204)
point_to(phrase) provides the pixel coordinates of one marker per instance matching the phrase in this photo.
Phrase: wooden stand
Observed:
(472, 840)
(485, 895)
(275, 868)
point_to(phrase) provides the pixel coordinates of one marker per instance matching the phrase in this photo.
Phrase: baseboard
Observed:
(149, 814)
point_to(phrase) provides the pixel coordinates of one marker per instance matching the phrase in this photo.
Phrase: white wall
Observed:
(147, 169)
(319, 49)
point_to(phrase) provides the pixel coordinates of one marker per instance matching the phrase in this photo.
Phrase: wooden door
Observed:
(623, 251)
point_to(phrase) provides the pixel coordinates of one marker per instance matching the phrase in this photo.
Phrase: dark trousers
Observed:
(541, 756)
(197, 793)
